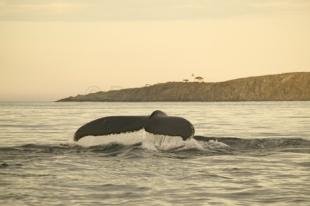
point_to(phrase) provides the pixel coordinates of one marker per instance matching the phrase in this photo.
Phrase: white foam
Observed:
(162, 142)
(151, 141)
(193, 144)
(213, 144)
(128, 138)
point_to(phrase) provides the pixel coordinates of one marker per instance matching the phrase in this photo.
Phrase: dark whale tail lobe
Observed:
(157, 123)
(160, 123)
(111, 125)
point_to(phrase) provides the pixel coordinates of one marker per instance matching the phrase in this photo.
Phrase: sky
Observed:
(51, 49)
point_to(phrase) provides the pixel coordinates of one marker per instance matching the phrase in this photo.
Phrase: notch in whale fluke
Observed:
(157, 123)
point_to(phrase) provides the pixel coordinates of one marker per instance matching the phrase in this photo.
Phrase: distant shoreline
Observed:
(280, 87)
(178, 101)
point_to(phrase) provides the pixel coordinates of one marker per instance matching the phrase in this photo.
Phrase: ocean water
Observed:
(246, 153)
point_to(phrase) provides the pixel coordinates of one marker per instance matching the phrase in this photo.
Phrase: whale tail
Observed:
(157, 123)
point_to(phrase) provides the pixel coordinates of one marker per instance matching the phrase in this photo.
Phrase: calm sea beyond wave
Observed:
(247, 153)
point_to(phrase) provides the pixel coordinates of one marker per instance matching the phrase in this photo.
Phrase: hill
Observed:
(279, 87)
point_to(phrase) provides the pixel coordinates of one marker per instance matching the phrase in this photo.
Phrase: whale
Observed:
(158, 123)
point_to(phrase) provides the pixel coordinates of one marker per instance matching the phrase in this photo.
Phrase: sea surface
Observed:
(247, 153)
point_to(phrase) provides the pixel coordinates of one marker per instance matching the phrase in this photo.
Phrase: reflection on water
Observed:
(249, 153)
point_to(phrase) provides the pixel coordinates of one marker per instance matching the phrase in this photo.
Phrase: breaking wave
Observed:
(143, 142)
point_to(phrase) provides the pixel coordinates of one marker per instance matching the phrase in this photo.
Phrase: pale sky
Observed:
(54, 49)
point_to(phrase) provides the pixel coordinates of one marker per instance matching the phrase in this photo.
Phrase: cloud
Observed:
(124, 10)
(282, 5)
(39, 10)
(50, 7)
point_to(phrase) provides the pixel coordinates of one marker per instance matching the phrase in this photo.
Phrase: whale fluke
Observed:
(111, 125)
(157, 123)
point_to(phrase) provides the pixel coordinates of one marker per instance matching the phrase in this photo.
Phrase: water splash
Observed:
(130, 143)
(129, 138)
(152, 142)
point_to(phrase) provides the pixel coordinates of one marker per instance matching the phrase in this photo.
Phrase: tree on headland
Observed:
(199, 78)
(193, 77)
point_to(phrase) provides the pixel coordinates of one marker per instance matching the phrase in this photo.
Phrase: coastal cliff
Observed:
(279, 87)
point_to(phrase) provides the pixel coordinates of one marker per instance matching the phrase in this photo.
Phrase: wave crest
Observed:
(134, 143)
